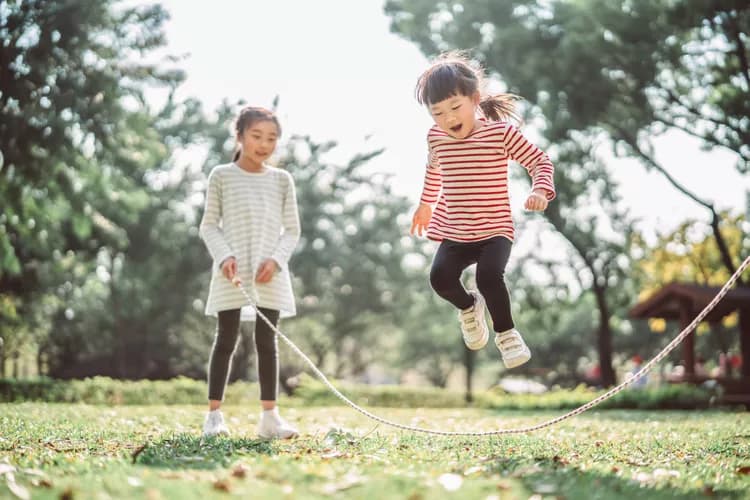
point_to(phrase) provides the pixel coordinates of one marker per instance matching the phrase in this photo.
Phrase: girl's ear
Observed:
(476, 98)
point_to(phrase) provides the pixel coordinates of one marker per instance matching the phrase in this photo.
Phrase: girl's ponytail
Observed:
(236, 154)
(500, 107)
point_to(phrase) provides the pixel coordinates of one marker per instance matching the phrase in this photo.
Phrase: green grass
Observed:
(83, 451)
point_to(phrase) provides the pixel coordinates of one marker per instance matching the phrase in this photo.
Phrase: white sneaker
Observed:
(214, 424)
(272, 426)
(473, 323)
(513, 349)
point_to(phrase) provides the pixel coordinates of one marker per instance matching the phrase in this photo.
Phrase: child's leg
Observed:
(268, 358)
(270, 425)
(225, 342)
(491, 281)
(450, 261)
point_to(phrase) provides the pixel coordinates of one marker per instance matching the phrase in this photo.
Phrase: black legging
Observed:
(225, 342)
(491, 257)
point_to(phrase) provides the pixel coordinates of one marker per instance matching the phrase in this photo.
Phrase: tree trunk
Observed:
(604, 340)
(744, 325)
(469, 357)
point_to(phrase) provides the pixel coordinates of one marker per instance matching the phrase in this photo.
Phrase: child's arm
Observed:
(209, 230)
(290, 222)
(536, 162)
(433, 182)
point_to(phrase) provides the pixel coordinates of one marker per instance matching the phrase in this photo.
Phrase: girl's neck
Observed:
(249, 165)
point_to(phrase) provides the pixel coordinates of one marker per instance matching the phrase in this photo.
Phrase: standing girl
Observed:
(470, 146)
(250, 226)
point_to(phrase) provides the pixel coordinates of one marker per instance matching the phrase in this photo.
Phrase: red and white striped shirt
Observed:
(469, 180)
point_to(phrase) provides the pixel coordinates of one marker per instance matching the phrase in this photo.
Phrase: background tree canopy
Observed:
(102, 270)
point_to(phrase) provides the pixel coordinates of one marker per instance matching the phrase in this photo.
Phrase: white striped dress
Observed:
(252, 217)
(468, 178)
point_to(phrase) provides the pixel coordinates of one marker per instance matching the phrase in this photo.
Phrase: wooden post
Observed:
(688, 349)
(744, 326)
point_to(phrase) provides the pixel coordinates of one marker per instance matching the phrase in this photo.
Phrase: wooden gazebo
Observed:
(682, 302)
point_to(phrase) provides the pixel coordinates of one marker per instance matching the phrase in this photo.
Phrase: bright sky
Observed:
(342, 75)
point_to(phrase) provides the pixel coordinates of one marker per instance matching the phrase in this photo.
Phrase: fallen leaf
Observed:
(223, 485)
(745, 469)
(473, 470)
(240, 471)
(332, 454)
(450, 481)
(137, 452)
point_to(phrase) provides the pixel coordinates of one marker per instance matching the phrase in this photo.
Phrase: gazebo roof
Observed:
(666, 302)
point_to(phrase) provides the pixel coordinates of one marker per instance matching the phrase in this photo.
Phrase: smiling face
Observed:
(258, 141)
(456, 115)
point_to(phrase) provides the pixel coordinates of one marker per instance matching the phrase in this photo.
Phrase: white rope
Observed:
(519, 430)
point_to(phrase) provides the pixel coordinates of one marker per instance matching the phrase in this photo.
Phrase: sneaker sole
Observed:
(516, 361)
(481, 343)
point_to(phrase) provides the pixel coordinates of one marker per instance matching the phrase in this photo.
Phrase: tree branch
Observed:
(741, 51)
(709, 139)
(629, 139)
(674, 98)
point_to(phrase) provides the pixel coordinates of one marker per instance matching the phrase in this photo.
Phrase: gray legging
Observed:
(225, 342)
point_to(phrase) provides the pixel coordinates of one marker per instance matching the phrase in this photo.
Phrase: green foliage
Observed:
(105, 390)
(312, 392)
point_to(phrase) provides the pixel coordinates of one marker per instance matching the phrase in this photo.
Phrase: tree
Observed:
(347, 266)
(69, 74)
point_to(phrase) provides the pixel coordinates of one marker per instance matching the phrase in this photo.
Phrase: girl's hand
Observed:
(537, 201)
(266, 270)
(421, 219)
(229, 268)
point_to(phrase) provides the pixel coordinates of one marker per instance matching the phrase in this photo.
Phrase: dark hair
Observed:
(247, 117)
(453, 74)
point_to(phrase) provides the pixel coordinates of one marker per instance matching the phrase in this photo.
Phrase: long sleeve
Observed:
(432, 181)
(290, 222)
(209, 230)
(536, 161)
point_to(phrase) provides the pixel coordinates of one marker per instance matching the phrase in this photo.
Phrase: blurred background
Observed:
(113, 113)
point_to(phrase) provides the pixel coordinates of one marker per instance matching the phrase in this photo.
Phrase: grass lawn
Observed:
(82, 451)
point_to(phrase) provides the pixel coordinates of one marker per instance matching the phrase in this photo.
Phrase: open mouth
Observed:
(456, 128)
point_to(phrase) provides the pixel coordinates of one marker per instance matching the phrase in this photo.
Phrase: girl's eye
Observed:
(437, 114)
(456, 107)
